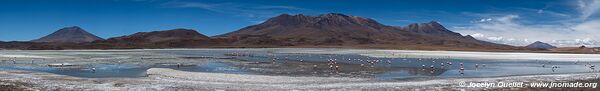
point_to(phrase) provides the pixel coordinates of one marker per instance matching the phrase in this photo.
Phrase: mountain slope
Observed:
(344, 30)
(160, 36)
(431, 28)
(69, 35)
(324, 29)
(538, 44)
(175, 38)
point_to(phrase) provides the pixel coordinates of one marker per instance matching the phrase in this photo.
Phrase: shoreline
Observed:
(182, 80)
(170, 79)
(201, 48)
(378, 53)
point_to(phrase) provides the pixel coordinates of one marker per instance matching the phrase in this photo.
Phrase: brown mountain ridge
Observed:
(336, 29)
(326, 30)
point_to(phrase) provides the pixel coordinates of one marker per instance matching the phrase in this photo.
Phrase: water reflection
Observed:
(269, 62)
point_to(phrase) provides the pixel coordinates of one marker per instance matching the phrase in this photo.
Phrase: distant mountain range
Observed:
(326, 30)
(525, 42)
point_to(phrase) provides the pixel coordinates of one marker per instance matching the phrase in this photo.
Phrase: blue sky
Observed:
(515, 22)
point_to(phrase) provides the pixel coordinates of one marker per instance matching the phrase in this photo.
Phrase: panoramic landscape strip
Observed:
(274, 45)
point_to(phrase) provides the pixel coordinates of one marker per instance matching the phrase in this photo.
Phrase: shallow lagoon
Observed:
(385, 64)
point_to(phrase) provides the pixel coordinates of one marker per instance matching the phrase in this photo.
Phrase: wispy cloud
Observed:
(544, 11)
(279, 7)
(508, 29)
(206, 6)
(404, 20)
(257, 21)
(588, 8)
(239, 9)
(513, 28)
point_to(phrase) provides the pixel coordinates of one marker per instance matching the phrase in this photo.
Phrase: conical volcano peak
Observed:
(73, 34)
(432, 27)
(539, 44)
(72, 28)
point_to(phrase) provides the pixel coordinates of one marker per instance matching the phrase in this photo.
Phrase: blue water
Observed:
(265, 62)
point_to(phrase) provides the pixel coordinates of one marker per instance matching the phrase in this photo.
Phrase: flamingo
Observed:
(94, 69)
(431, 67)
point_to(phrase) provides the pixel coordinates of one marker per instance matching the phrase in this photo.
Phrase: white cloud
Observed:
(479, 35)
(592, 26)
(257, 22)
(508, 30)
(485, 20)
(513, 29)
(588, 8)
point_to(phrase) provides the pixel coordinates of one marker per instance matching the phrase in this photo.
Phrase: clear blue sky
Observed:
(23, 20)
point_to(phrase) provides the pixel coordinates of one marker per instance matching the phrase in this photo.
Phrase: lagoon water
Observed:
(386, 64)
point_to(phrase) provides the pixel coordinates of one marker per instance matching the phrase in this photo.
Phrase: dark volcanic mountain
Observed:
(538, 44)
(431, 28)
(344, 30)
(324, 29)
(160, 36)
(69, 35)
(175, 38)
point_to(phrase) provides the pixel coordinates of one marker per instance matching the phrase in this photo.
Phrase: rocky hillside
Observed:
(161, 36)
(175, 38)
(336, 29)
